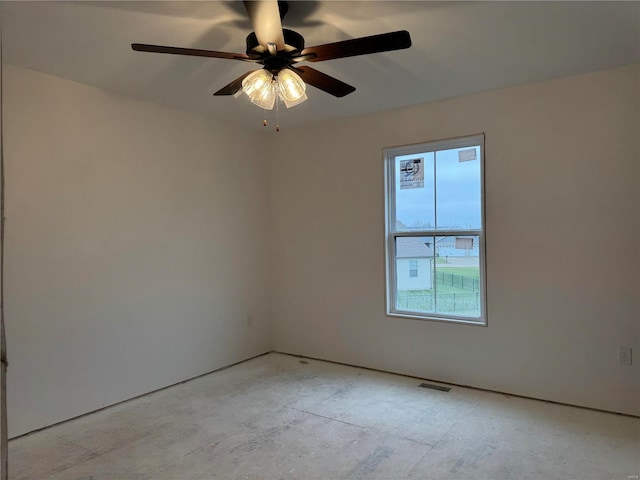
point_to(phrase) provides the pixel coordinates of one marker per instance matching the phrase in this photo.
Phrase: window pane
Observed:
(415, 201)
(458, 185)
(414, 274)
(457, 275)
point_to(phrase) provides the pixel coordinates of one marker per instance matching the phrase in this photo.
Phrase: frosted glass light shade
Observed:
(260, 88)
(293, 103)
(256, 81)
(292, 88)
(265, 98)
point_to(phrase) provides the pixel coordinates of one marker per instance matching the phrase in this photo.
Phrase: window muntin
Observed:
(435, 222)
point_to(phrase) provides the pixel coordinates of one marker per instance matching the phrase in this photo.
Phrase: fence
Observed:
(459, 281)
(468, 303)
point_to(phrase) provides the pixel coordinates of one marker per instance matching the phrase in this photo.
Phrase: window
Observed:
(435, 226)
(413, 268)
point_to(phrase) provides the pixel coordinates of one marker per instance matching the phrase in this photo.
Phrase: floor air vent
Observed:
(434, 387)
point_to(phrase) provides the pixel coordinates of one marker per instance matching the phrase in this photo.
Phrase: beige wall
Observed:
(139, 239)
(563, 236)
(135, 247)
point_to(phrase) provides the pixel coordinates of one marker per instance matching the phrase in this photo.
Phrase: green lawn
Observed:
(449, 289)
(472, 272)
(464, 301)
(461, 302)
(441, 289)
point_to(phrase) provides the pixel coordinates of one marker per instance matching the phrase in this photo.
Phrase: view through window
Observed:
(435, 230)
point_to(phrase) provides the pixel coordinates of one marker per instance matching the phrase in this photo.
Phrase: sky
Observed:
(457, 202)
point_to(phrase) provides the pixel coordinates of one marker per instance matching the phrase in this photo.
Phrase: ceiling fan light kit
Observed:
(263, 88)
(279, 51)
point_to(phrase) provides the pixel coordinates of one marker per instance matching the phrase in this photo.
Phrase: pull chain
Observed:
(264, 113)
(278, 113)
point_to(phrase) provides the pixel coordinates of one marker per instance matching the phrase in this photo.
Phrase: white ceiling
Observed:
(458, 48)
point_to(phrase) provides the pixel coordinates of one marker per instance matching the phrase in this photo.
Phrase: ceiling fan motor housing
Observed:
(275, 64)
(291, 38)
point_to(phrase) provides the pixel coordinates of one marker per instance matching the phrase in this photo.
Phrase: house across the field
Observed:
(414, 263)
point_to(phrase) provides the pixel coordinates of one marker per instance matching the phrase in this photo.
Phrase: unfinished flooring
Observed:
(283, 417)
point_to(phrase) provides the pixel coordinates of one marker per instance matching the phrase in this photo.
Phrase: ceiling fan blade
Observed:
(383, 42)
(265, 19)
(324, 82)
(234, 86)
(143, 47)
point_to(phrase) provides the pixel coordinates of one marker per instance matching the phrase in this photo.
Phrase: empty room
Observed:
(320, 240)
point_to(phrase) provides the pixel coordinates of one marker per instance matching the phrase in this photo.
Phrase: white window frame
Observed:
(389, 155)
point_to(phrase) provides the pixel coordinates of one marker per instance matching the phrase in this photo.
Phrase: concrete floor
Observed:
(282, 417)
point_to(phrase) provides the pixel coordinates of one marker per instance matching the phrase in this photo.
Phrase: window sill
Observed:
(481, 322)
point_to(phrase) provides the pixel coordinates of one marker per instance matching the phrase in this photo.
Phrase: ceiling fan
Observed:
(280, 51)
